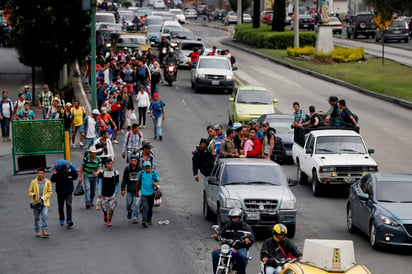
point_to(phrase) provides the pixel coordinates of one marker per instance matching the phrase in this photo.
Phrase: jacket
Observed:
(257, 149)
(64, 179)
(230, 231)
(47, 191)
(86, 125)
(270, 246)
(203, 161)
(226, 147)
(130, 177)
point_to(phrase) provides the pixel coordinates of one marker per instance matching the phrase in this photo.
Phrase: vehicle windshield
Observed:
(214, 63)
(136, 39)
(250, 174)
(128, 16)
(190, 46)
(339, 145)
(280, 123)
(334, 19)
(154, 21)
(398, 24)
(255, 97)
(168, 29)
(143, 12)
(396, 192)
(184, 35)
(176, 12)
(154, 28)
(111, 27)
(109, 18)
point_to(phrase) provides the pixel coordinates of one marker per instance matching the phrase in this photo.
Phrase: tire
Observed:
(406, 40)
(207, 213)
(291, 231)
(372, 236)
(192, 84)
(197, 90)
(349, 221)
(302, 177)
(316, 186)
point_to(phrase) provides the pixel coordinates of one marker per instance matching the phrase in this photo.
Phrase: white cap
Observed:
(26, 86)
(96, 112)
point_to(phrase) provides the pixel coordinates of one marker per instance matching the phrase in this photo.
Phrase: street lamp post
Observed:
(93, 54)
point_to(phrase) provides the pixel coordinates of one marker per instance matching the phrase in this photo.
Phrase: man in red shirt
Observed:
(257, 145)
(194, 56)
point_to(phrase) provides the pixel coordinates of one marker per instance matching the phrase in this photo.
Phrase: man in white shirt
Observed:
(133, 140)
(91, 128)
(6, 115)
(104, 146)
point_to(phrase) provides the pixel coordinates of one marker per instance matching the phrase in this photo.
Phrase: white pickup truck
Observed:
(331, 157)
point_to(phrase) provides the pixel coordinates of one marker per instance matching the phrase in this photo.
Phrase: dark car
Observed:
(218, 15)
(380, 205)
(202, 10)
(398, 31)
(306, 22)
(361, 24)
(281, 123)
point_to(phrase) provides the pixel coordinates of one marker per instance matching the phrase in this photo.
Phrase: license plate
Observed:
(253, 215)
(305, 26)
(215, 83)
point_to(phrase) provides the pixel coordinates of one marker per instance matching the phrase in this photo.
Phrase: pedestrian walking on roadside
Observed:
(132, 144)
(156, 77)
(6, 115)
(40, 190)
(104, 146)
(91, 128)
(45, 100)
(51, 114)
(143, 102)
(202, 160)
(26, 113)
(126, 109)
(64, 173)
(157, 113)
(68, 117)
(28, 96)
(108, 189)
(147, 184)
(78, 116)
(89, 171)
(19, 104)
(129, 184)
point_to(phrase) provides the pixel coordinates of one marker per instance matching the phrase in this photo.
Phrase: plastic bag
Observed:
(157, 202)
(98, 204)
(133, 116)
(79, 190)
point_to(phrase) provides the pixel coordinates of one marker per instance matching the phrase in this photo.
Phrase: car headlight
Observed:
(225, 249)
(170, 68)
(229, 77)
(288, 204)
(173, 44)
(327, 169)
(232, 203)
(388, 221)
(201, 76)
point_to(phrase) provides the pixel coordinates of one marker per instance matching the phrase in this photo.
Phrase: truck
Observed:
(330, 156)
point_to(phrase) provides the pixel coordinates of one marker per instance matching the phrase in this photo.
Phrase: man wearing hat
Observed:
(128, 187)
(6, 115)
(147, 183)
(28, 97)
(59, 114)
(237, 127)
(89, 171)
(219, 138)
(91, 128)
(53, 109)
(45, 99)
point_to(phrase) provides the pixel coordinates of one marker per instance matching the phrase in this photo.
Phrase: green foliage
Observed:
(263, 37)
(305, 51)
(49, 33)
(340, 54)
(279, 16)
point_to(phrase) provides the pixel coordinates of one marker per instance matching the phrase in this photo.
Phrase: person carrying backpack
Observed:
(132, 142)
(147, 184)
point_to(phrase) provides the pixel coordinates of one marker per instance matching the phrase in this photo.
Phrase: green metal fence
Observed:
(37, 137)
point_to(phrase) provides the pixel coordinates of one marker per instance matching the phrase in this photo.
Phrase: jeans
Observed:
(89, 142)
(157, 124)
(89, 188)
(45, 111)
(40, 212)
(61, 198)
(142, 115)
(5, 127)
(241, 260)
(132, 204)
(146, 202)
(154, 86)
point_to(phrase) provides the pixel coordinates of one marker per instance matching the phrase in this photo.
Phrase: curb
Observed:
(397, 101)
(81, 93)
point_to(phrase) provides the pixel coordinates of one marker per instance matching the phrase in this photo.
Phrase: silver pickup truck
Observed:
(257, 186)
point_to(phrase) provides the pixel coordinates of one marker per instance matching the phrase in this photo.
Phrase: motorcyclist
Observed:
(277, 247)
(170, 59)
(231, 231)
(165, 43)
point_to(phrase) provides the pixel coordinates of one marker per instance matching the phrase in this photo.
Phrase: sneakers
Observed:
(149, 222)
(144, 224)
(115, 141)
(87, 205)
(62, 222)
(105, 218)
(81, 144)
(45, 234)
(109, 223)
(129, 215)
(155, 137)
(73, 145)
(135, 221)
(37, 234)
(143, 126)
(160, 138)
(70, 224)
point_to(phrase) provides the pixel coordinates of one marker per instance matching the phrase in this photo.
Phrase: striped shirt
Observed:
(90, 166)
(132, 141)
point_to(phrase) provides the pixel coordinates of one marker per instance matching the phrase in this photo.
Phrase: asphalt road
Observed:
(184, 245)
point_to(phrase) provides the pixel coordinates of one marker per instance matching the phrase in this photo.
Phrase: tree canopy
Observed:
(245, 4)
(49, 33)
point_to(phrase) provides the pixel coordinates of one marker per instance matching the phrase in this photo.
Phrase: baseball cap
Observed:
(147, 163)
(45, 86)
(68, 104)
(218, 126)
(155, 95)
(134, 157)
(26, 86)
(236, 125)
(104, 109)
(96, 112)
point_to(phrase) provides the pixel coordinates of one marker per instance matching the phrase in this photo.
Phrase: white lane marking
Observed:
(184, 103)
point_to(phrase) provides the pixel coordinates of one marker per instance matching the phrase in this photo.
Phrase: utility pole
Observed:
(296, 25)
(93, 54)
(239, 12)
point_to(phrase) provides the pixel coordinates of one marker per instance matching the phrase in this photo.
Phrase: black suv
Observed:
(361, 24)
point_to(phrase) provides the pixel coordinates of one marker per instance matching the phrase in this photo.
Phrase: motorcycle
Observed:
(162, 54)
(227, 256)
(281, 264)
(170, 73)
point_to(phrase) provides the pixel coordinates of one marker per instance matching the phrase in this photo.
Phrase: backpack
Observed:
(129, 134)
(232, 59)
(141, 175)
(141, 72)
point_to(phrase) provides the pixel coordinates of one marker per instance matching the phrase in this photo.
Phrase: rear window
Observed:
(398, 24)
(191, 46)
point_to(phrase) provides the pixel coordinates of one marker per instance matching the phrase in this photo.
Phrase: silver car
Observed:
(257, 186)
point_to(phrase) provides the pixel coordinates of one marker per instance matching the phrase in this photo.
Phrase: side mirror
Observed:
(363, 197)
(212, 180)
(292, 182)
(309, 151)
(275, 101)
(231, 99)
(371, 150)
(234, 68)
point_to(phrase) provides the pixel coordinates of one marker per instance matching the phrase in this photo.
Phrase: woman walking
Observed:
(108, 188)
(143, 102)
(156, 78)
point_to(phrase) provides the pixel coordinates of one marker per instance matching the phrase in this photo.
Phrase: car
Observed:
(166, 16)
(257, 186)
(184, 34)
(380, 205)
(212, 72)
(335, 23)
(159, 4)
(191, 13)
(202, 9)
(108, 30)
(322, 256)
(249, 102)
(153, 34)
(281, 123)
(231, 18)
(247, 18)
(170, 26)
(218, 15)
(105, 17)
(266, 17)
(398, 31)
(184, 49)
(132, 41)
(179, 15)
(306, 21)
(143, 12)
(154, 20)
(361, 24)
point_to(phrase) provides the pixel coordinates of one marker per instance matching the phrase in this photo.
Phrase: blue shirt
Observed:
(299, 115)
(218, 140)
(147, 188)
(157, 108)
